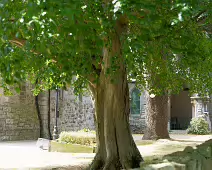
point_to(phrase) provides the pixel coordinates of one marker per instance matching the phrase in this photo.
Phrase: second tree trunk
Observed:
(157, 118)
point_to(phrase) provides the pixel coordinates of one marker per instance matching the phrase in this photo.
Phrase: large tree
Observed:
(101, 44)
(158, 106)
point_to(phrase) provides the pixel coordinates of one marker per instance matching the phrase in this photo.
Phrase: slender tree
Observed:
(101, 44)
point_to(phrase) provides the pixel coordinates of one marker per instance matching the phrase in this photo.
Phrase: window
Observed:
(135, 102)
(205, 108)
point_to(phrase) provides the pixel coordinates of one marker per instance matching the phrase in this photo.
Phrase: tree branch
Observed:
(199, 14)
(19, 43)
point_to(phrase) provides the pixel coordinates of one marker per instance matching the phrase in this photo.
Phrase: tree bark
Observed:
(116, 148)
(39, 114)
(100, 157)
(157, 118)
(49, 115)
(39, 117)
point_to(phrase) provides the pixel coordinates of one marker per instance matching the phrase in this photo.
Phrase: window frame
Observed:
(139, 97)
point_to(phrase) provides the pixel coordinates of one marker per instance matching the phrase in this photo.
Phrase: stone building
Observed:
(19, 118)
(182, 108)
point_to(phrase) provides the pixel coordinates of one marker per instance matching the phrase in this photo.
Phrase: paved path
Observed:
(183, 137)
(24, 154)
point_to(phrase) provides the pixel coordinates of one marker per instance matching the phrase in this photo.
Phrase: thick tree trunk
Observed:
(157, 118)
(98, 94)
(115, 145)
(116, 148)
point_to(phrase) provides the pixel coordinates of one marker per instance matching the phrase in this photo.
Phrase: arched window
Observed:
(135, 102)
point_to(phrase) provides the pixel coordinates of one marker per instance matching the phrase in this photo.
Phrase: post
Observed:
(169, 112)
(55, 132)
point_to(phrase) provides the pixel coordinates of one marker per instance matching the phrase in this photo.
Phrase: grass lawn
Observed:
(144, 142)
(73, 148)
(76, 148)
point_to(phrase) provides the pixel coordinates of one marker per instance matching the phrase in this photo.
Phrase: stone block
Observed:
(199, 164)
(4, 138)
(16, 138)
(178, 166)
(207, 164)
(2, 133)
(2, 123)
(21, 124)
(205, 151)
(161, 166)
(7, 109)
(43, 143)
(191, 165)
(10, 127)
(12, 133)
(10, 115)
(188, 149)
(2, 116)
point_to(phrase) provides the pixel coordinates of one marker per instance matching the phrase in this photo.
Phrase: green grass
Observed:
(144, 142)
(73, 148)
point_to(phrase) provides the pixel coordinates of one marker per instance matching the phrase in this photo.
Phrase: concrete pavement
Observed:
(25, 155)
(182, 137)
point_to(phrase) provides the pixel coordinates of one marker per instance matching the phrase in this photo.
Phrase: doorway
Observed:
(181, 110)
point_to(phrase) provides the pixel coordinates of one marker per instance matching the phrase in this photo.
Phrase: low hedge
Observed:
(80, 137)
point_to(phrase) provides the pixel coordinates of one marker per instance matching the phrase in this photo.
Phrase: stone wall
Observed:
(137, 123)
(75, 112)
(199, 158)
(19, 120)
(18, 116)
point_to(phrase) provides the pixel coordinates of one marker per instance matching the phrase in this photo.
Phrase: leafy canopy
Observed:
(165, 44)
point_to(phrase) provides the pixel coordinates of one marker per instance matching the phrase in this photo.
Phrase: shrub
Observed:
(82, 138)
(198, 126)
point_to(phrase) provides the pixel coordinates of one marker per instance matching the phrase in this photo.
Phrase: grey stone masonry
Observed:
(74, 113)
(18, 116)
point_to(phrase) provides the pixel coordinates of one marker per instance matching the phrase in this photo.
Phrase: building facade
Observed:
(19, 118)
